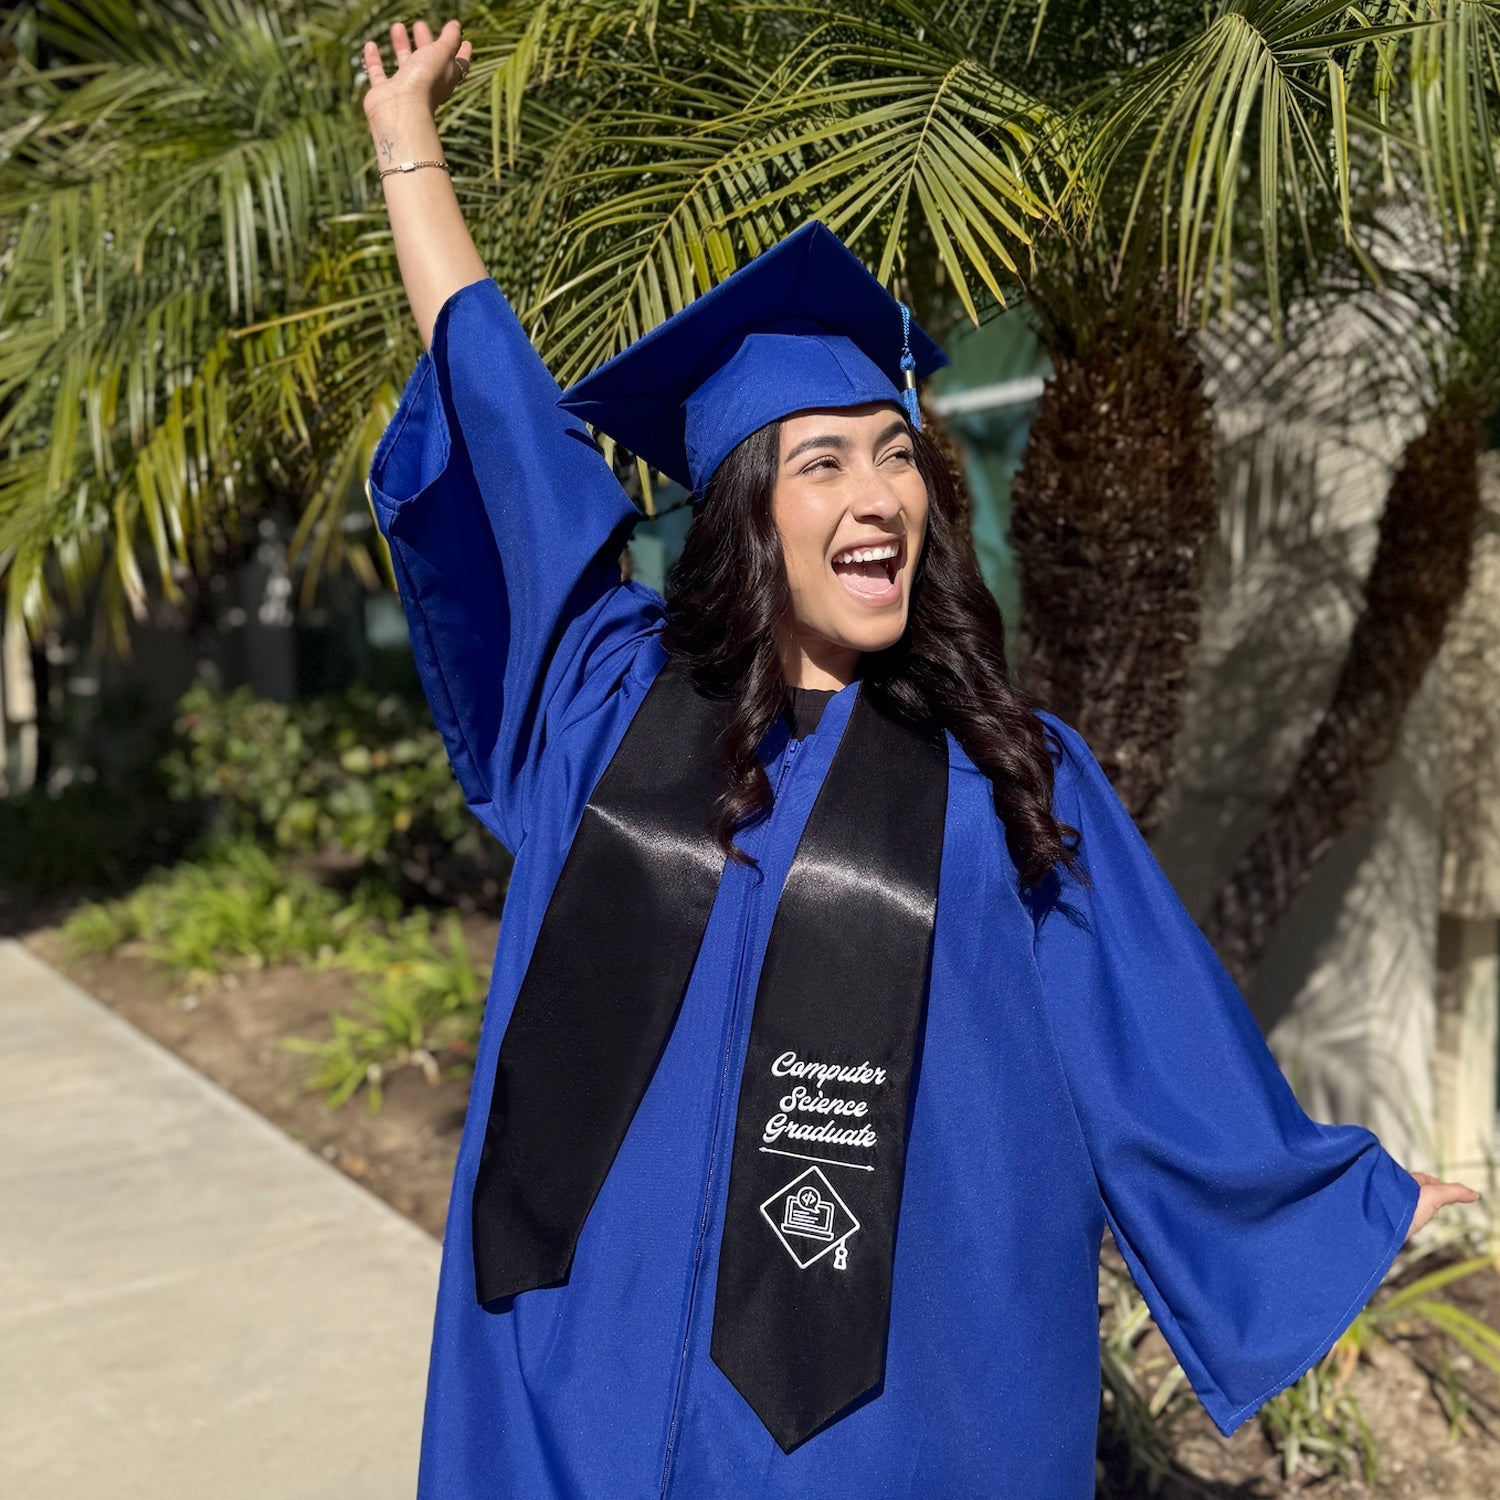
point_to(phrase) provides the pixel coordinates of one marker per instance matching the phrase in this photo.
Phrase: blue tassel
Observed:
(909, 372)
(913, 411)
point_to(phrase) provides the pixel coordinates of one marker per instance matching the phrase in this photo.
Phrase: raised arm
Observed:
(433, 245)
(505, 524)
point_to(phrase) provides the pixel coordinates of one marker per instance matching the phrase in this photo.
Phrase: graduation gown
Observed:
(1085, 1061)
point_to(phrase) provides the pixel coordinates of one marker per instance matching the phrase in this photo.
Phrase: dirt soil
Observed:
(1396, 1390)
(230, 1030)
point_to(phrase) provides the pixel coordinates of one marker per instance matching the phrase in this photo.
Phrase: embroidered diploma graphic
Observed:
(810, 1218)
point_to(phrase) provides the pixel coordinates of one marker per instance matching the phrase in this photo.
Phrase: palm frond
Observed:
(199, 299)
(1262, 80)
(171, 177)
(875, 133)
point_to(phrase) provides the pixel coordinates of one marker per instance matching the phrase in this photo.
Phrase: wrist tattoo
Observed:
(388, 148)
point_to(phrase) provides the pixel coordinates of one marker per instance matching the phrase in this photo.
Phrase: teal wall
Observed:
(1003, 349)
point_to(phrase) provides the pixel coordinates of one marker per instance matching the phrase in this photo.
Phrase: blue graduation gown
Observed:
(1086, 1060)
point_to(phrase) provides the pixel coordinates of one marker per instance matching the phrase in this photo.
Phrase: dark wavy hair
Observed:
(728, 590)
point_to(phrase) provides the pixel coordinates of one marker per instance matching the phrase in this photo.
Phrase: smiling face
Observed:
(851, 509)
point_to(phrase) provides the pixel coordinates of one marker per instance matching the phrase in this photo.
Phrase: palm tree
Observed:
(1115, 505)
(973, 156)
(201, 302)
(1415, 581)
(1125, 497)
(167, 176)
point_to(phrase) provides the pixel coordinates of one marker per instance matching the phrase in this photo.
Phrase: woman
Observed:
(834, 1014)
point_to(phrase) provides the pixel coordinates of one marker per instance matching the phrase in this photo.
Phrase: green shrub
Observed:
(362, 772)
(232, 903)
(423, 1002)
(90, 837)
(1317, 1424)
(1144, 1395)
(235, 904)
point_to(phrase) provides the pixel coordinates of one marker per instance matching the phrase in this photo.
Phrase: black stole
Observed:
(803, 1298)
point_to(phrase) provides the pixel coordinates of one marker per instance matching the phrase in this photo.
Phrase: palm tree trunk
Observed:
(41, 680)
(1115, 510)
(1418, 576)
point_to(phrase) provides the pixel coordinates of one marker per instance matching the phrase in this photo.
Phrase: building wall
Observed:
(1304, 478)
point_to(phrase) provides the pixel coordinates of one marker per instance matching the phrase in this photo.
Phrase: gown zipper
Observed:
(746, 927)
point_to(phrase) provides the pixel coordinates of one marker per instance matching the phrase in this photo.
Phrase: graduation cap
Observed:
(804, 325)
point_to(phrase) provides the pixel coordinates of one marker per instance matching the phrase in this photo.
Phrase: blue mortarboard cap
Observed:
(803, 325)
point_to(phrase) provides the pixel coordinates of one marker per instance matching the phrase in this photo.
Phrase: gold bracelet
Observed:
(411, 166)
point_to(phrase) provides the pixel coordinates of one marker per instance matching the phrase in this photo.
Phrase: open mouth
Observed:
(870, 573)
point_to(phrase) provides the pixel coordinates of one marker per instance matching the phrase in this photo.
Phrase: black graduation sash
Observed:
(802, 1304)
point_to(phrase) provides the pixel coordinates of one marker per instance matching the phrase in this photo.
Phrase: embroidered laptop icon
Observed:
(808, 1213)
(810, 1218)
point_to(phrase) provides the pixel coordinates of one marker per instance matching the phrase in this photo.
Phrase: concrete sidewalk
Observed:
(191, 1304)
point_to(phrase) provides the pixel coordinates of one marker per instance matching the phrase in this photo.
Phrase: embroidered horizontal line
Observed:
(827, 1161)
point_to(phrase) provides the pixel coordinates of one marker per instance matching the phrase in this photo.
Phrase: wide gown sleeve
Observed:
(505, 526)
(1254, 1234)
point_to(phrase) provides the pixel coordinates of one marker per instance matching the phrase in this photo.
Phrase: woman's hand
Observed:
(1436, 1195)
(426, 73)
